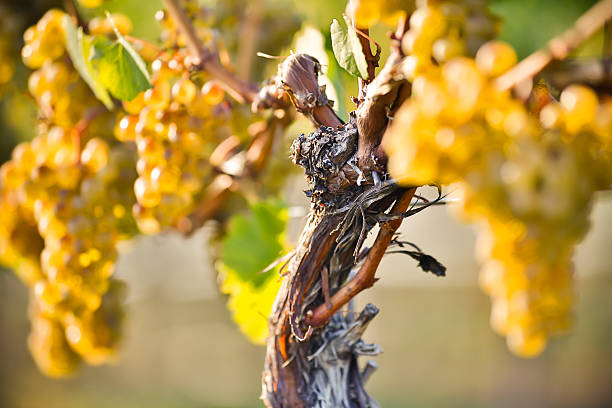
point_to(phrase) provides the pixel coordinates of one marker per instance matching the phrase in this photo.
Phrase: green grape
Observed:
(212, 93)
(579, 105)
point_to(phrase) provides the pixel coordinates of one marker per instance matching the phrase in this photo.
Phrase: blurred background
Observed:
(181, 348)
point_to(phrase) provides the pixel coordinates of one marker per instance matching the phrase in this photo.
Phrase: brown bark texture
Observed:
(314, 345)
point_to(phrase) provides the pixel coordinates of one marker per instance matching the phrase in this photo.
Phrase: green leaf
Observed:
(347, 48)
(79, 48)
(251, 244)
(120, 69)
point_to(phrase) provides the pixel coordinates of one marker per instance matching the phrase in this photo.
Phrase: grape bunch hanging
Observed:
(95, 176)
(526, 172)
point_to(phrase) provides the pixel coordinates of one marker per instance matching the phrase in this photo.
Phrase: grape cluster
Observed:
(61, 96)
(175, 125)
(59, 231)
(445, 29)
(66, 200)
(527, 176)
(59, 345)
(536, 199)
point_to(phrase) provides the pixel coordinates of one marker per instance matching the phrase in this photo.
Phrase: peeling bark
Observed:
(330, 247)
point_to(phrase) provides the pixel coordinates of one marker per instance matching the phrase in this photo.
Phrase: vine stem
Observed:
(559, 47)
(365, 278)
(82, 125)
(380, 95)
(240, 90)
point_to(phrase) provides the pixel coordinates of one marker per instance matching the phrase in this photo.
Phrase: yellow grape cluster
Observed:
(63, 211)
(445, 29)
(526, 176)
(175, 125)
(61, 96)
(59, 345)
(65, 199)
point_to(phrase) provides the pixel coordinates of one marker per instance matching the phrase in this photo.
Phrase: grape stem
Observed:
(365, 278)
(240, 90)
(249, 34)
(74, 13)
(363, 33)
(559, 47)
(592, 72)
(139, 42)
(256, 158)
(364, 39)
(82, 126)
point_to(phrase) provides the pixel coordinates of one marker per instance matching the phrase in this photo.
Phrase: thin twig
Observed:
(249, 33)
(364, 40)
(213, 199)
(559, 47)
(366, 275)
(142, 44)
(240, 90)
(260, 150)
(72, 11)
(595, 73)
(82, 125)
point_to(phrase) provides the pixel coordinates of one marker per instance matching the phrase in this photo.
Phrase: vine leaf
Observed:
(107, 66)
(120, 69)
(347, 48)
(79, 46)
(251, 243)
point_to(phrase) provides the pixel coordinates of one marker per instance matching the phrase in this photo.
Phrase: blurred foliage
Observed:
(528, 25)
(251, 244)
